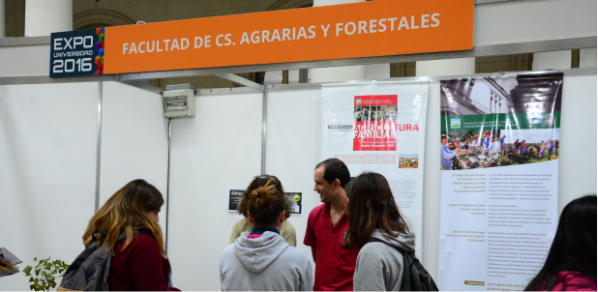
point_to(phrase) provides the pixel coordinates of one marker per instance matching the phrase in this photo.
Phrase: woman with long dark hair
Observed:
(377, 227)
(571, 261)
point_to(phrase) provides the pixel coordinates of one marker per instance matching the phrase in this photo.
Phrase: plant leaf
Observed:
(30, 279)
(35, 259)
(37, 272)
(31, 287)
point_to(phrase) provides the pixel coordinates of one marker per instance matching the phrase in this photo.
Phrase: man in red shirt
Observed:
(327, 227)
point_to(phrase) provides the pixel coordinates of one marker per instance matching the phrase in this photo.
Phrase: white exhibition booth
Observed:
(55, 135)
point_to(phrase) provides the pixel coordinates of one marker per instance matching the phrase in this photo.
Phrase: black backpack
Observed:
(89, 271)
(415, 276)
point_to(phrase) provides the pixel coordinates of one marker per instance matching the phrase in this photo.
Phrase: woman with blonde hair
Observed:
(127, 229)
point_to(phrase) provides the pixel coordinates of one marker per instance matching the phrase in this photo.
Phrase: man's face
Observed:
(444, 141)
(493, 139)
(321, 186)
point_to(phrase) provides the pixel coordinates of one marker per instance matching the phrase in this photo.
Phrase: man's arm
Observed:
(447, 155)
(313, 253)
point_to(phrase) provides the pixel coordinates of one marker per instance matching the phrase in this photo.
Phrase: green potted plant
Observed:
(44, 275)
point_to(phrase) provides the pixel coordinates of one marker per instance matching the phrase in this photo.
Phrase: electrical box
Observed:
(179, 103)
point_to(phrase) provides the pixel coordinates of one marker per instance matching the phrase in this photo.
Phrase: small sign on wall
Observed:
(295, 200)
(234, 198)
(77, 53)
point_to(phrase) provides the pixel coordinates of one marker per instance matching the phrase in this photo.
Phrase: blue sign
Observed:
(77, 53)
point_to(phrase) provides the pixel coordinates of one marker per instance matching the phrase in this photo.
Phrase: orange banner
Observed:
(367, 29)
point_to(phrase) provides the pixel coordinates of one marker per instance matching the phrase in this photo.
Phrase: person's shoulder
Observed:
(315, 211)
(143, 238)
(297, 255)
(374, 247)
(287, 226)
(377, 250)
(242, 225)
(241, 222)
(228, 250)
(228, 255)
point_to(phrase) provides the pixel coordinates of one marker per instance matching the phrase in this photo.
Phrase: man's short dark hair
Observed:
(334, 168)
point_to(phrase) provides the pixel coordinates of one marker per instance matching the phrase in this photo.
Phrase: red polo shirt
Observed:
(335, 264)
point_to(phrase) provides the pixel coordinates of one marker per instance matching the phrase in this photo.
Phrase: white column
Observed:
(552, 60)
(377, 71)
(587, 58)
(337, 73)
(2, 20)
(273, 77)
(43, 17)
(462, 66)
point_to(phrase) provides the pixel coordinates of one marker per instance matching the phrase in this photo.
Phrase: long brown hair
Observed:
(124, 211)
(371, 206)
(574, 246)
(261, 181)
(265, 204)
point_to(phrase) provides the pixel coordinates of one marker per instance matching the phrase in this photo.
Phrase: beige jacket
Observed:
(287, 231)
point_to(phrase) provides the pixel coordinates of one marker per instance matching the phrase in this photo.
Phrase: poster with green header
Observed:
(499, 146)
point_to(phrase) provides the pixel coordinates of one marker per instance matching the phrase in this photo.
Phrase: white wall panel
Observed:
(577, 153)
(47, 171)
(293, 148)
(218, 149)
(134, 140)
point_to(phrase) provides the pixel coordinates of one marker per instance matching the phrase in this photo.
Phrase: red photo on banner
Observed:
(375, 119)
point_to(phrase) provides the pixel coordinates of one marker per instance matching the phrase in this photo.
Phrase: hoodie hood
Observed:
(258, 253)
(405, 241)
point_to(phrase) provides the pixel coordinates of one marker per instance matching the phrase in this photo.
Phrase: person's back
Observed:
(266, 263)
(380, 264)
(573, 281)
(140, 267)
(262, 260)
(379, 230)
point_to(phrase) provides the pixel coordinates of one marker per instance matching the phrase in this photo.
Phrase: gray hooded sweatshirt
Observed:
(379, 265)
(267, 263)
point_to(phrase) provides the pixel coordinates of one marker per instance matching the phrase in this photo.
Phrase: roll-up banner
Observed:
(499, 163)
(380, 127)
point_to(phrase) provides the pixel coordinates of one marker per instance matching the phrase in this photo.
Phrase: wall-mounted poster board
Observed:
(380, 127)
(499, 179)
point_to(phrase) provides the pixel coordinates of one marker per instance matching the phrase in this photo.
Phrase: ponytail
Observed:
(265, 204)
